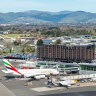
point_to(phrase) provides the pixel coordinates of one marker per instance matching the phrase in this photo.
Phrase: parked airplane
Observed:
(65, 83)
(36, 73)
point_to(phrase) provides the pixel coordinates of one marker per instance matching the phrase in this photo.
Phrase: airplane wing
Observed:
(5, 71)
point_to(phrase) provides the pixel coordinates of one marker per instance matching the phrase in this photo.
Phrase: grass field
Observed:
(16, 35)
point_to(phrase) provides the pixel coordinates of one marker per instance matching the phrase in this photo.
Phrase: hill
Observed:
(43, 17)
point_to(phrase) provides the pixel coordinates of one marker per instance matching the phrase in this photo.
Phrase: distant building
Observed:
(67, 53)
(6, 32)
(47, 41)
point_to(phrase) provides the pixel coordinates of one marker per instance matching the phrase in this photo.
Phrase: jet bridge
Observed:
(78, 77)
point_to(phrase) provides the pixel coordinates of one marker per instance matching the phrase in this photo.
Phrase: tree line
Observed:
(53, 31)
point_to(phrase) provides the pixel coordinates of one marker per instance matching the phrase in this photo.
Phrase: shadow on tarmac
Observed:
(32, 79)
(9, 77)
(87, 93)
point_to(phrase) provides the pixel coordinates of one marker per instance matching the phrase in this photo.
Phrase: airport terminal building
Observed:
(66, 53)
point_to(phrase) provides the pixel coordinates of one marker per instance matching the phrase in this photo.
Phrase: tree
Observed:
(30, 49)
(16, 43)
(40, 42)
(58, 41)
(23, 50)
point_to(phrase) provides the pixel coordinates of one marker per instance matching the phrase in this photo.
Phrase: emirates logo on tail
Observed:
(9, 66)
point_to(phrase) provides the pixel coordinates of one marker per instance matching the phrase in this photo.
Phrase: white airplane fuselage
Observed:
(36, 72)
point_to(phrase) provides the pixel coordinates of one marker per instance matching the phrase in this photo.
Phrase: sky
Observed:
(47, 5)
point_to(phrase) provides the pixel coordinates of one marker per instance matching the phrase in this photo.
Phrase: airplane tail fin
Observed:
(9, 66)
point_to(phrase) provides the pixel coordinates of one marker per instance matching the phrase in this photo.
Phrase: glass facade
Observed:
(61, 66)
(88, 67)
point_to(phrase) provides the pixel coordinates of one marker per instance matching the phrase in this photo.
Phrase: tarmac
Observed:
(11, 86)
(4, 91)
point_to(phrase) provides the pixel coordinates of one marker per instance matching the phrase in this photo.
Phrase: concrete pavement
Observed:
(4, 91)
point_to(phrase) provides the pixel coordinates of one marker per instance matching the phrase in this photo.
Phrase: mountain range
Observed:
(43, 17)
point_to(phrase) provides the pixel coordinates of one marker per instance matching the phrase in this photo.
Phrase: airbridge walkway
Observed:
(77, 77)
